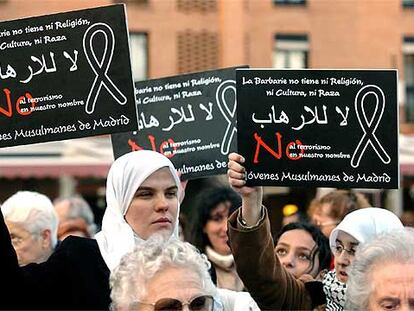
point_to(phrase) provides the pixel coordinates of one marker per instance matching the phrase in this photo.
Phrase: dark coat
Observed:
(268, 282)
(74, 277)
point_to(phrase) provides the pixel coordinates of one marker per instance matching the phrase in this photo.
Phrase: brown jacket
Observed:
(269, 283)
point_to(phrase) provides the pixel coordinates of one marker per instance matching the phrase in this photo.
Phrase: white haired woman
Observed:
(142, 195)
(382, 276)
(161, 275)
(33, 224)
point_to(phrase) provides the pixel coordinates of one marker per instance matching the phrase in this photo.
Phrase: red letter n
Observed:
(260, 142)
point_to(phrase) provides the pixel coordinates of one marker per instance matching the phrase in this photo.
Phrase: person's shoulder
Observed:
(81, 252)
(77, 244)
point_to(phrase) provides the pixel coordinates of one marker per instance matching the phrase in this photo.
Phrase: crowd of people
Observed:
(345, 255)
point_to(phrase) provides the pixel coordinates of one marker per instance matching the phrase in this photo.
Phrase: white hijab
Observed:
(125, 176)
(365, 223)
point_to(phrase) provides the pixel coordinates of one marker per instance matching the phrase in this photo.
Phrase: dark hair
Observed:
(205, 203)
(324, 251)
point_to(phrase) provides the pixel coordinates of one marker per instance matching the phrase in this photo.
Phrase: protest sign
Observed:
(189, 118)
(319, 128)
(64, 76)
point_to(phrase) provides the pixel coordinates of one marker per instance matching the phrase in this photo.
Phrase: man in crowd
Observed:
(32, 223)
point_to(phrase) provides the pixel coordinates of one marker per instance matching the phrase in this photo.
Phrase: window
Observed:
(202, 6)
(290, 51)
(408, 50)
(197, 50)
(300, 2)
(139, 56)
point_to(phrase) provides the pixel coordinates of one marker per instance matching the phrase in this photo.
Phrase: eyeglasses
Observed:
(338, 250)
(200, 303)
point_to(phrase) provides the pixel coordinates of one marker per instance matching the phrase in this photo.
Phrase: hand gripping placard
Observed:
(369, 127)
(100, 67)
(227, 112)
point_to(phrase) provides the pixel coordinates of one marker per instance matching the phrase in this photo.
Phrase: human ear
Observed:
(46, 236)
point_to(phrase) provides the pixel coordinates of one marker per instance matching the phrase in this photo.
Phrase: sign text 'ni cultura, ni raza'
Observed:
(189, 118)
(64, 76)
(319, 128)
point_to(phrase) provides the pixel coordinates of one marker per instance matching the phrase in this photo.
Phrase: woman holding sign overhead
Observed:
(267, 280)
(142, 195)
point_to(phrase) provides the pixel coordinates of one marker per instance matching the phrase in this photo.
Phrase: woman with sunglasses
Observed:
(172, 276)
(269, 282)
(142, 196)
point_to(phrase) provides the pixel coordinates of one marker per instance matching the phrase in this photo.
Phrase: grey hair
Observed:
(79, 208)
(393, 247)
(128, 281)
(34, 211)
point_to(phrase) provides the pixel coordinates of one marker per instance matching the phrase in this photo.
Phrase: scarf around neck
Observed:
(335, 292)
(225, 262)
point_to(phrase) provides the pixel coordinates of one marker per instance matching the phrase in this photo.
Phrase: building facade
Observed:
(170, 37)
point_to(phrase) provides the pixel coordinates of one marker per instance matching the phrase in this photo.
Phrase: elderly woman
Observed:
(161, 275)
(33, 224)
(266, 278)
(382, 276)
(142, 195)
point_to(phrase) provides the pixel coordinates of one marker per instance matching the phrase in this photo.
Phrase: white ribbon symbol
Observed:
(228, 114)
(369, 127)
(100, 68)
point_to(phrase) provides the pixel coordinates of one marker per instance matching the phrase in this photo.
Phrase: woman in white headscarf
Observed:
(143, 192)
(117, 236)
(357, 227)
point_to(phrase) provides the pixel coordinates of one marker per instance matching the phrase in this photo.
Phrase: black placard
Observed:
(189, 118)
(64, 76)
(325, 128)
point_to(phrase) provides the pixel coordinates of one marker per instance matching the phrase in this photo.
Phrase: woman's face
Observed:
(322, 219)
(297, 251)
(344, 251)
(154, 206)
(392, 285)
(216, 228)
